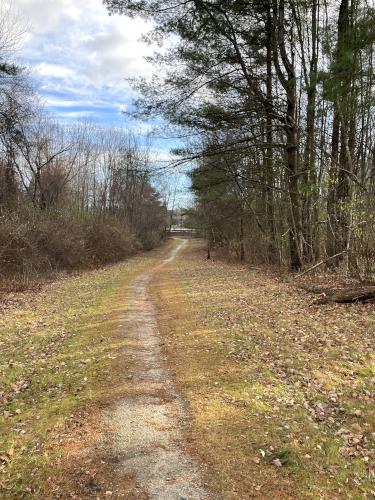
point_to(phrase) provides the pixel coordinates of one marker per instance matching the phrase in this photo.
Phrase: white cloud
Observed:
(78, 52)
(44, 69)
(80, 35)
(76, 115)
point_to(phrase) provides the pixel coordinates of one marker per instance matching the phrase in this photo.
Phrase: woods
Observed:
(71, 196)
(273, 105)
(187, 249)
(276, 99)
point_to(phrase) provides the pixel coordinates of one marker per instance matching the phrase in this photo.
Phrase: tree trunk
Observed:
(338, 196)
(242, 247)
(311, 250)
(289, 83)
(296, 240)
(268, 156)
(346, 296)
(332, 190)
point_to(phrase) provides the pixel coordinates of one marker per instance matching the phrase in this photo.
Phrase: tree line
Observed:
(70, 195)
(276, 101)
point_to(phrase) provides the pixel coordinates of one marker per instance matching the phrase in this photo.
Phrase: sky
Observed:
(80, 59)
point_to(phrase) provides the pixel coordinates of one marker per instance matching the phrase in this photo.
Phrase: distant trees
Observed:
(278, 96)
(70, 196)
(83, 191)
(14, 97)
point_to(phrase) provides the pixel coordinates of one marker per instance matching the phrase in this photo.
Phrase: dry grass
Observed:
(281, 392)
(61, 362)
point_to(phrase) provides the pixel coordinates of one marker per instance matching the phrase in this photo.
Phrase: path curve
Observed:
(148, 425)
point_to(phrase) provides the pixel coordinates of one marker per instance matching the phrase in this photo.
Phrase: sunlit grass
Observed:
(58, 356)
(266, 374)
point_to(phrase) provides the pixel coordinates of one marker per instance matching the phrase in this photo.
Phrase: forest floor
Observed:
(170, 377)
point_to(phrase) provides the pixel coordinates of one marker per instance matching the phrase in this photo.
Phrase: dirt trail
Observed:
(148, 425)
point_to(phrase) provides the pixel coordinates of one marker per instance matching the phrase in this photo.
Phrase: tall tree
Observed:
(273, 80)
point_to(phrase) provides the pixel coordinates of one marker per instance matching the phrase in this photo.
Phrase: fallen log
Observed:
(347, 296)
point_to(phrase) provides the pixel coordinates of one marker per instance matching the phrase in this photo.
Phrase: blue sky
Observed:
(80, 58)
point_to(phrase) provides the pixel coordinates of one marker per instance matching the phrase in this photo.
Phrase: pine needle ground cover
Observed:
(280, 391)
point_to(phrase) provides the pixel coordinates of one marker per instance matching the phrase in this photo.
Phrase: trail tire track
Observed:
(148, 425)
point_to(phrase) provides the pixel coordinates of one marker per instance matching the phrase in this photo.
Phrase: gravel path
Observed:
(148, 425)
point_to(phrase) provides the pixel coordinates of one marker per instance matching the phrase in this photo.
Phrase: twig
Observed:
(320, 263)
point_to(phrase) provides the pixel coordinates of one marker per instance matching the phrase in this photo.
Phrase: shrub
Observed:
(34, 243)
(108, 241)
(150, 239)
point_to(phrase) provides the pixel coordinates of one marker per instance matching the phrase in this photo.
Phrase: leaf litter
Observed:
(280, 389)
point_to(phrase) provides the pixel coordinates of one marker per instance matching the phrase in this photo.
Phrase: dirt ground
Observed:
(148, 425)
